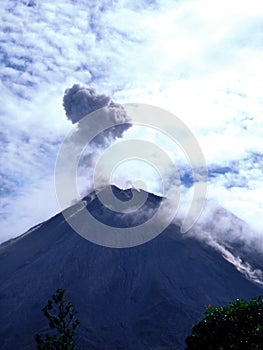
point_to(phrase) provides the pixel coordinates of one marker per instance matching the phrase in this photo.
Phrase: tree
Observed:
(62, 322)
(237, 326)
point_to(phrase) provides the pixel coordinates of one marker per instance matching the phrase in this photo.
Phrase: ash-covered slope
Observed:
(145, 297)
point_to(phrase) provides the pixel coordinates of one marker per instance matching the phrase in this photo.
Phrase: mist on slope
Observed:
(225, 232)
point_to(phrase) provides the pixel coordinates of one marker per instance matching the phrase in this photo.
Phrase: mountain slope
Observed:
(145, 297)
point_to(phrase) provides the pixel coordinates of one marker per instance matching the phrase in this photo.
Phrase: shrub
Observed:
(237, 326)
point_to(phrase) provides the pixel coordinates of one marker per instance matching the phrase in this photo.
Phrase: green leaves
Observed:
(238, 326)
(62, 322)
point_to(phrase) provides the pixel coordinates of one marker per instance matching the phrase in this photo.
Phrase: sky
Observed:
(200, 60)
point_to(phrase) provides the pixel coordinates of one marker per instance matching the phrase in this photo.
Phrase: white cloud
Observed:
(200, 60)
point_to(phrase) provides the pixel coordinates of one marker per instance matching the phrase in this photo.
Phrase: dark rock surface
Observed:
(145, 297)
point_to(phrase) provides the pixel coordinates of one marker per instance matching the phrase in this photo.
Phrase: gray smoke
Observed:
(79, 101)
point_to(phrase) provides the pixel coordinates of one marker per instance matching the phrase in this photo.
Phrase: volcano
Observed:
(144, 297)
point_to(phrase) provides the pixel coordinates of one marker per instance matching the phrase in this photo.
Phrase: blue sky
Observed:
(200, 60)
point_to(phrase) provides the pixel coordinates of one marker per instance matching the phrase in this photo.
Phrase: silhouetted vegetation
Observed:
(62, 322)
(237, 326)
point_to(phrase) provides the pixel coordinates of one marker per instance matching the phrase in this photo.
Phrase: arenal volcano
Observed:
(145, 297)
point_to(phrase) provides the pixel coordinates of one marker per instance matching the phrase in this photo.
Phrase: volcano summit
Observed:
(145, 297)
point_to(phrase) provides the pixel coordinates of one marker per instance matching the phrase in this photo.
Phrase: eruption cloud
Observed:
(80, 101)
(97, 123)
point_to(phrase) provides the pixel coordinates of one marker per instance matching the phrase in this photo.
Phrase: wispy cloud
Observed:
(200, 60)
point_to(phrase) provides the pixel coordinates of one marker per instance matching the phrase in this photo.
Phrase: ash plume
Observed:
(80, 101)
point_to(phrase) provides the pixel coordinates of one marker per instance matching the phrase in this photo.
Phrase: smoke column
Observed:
(80, 101)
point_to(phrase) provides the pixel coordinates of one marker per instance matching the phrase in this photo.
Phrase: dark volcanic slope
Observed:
(146, 297)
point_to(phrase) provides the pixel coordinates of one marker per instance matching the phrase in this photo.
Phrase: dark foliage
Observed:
(237, 326)
(62, 323)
